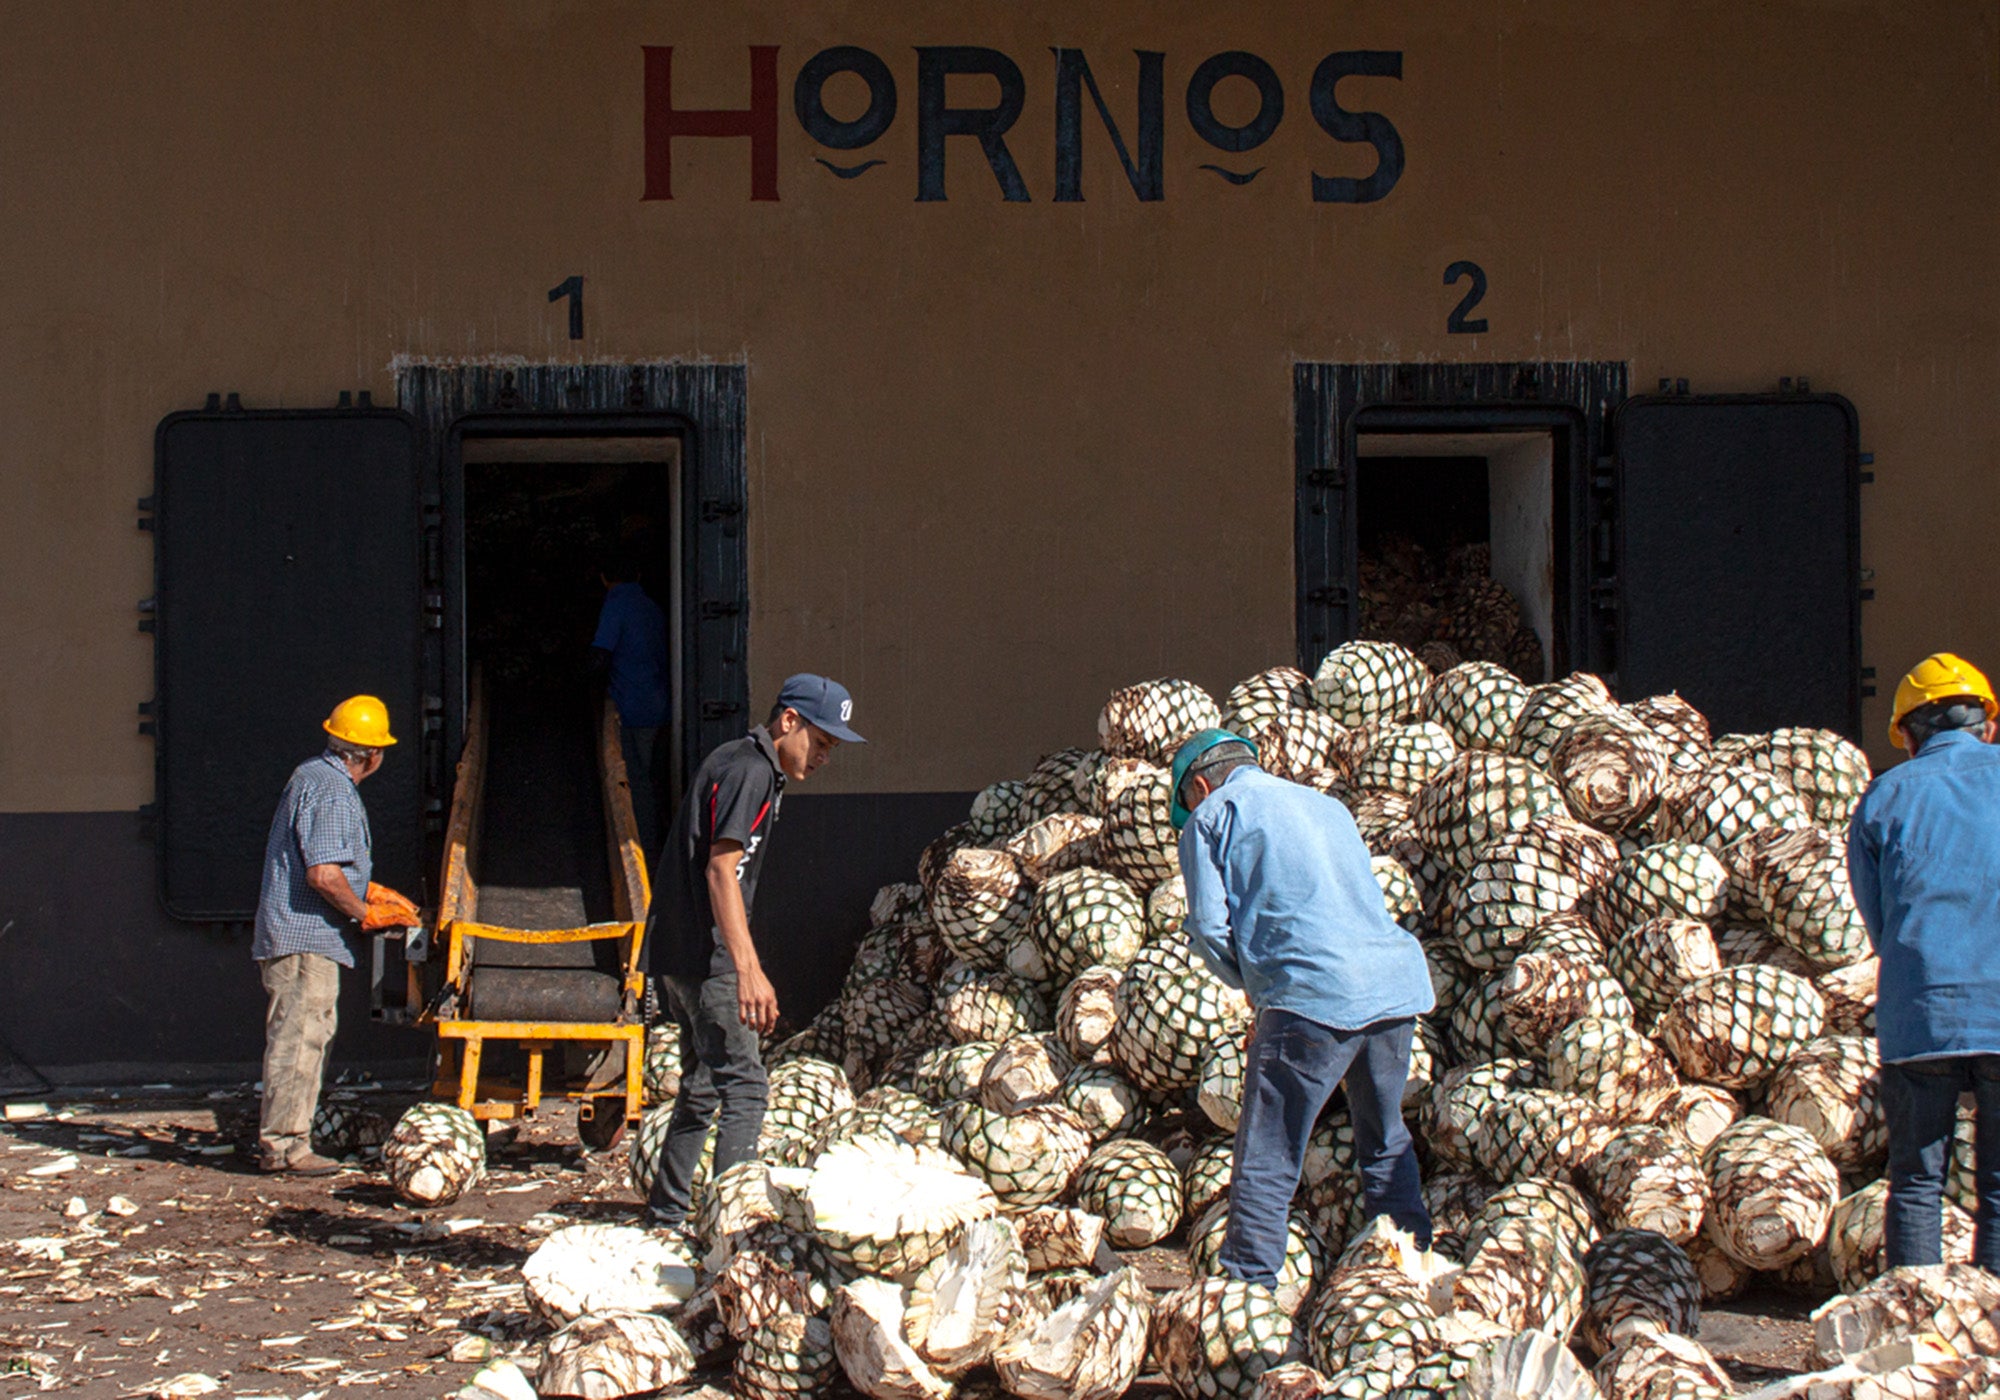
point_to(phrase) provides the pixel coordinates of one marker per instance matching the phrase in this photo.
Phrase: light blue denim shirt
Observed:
(1924, 857)
(1282, 903)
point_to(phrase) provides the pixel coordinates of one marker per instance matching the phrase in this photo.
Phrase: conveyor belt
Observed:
(540, 862)
(543, 900)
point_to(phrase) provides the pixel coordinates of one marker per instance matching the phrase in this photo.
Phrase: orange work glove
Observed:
(387, 909)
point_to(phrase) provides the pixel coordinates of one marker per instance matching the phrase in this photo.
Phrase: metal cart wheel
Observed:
(600, 1132)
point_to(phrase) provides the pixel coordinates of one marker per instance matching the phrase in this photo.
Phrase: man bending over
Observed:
(1282, 903)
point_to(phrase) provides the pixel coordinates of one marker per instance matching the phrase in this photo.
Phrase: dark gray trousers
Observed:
(641, 749)
(722, 1082)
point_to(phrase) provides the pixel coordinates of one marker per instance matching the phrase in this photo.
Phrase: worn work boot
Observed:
(303, 1164)
(674, 1232)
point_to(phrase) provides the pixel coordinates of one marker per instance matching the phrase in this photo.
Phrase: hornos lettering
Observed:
(1138, 136)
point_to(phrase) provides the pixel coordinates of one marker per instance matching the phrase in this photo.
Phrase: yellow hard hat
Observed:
(361, 719)
(1940, 677)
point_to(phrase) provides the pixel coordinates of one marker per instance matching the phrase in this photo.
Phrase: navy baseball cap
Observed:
(822, 703)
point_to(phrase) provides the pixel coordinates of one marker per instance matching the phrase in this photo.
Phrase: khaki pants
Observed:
(298, 1026)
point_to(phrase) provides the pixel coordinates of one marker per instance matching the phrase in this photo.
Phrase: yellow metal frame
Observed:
(462, 1041)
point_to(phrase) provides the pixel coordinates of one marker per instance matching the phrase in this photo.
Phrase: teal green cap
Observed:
(1184, 759)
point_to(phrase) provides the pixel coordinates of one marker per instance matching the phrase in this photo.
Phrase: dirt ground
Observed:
(138, 1245)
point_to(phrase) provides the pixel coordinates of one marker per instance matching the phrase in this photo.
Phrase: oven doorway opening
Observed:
(548, 527)
(1455, 538)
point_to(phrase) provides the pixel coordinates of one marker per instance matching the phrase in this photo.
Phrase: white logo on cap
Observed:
(846, 711)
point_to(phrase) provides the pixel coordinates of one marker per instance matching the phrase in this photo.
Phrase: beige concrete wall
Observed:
(1003, 456)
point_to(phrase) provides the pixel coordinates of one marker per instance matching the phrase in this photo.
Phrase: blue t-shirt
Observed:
(1282, 902)
(634, 630)
(1924, 857)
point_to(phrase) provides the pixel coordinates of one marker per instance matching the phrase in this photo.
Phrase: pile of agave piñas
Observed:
(1650, 1076)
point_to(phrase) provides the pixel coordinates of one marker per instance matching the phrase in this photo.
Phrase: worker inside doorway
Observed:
(629, 656)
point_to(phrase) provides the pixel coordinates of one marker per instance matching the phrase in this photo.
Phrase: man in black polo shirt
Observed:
(698, 937)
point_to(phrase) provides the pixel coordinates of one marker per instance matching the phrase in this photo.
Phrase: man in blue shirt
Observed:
(1924, 857)
(630, 652)
(1282, 902)
(317, 862)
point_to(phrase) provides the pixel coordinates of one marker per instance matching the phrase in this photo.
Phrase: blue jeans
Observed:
(1294, 1067)
(1920, 1100)
(722, 1081)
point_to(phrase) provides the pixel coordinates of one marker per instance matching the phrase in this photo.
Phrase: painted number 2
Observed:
(572, 287)
(1456, 324)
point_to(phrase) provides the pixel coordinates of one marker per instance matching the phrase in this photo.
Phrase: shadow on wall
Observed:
(98, 986)
(828, 858)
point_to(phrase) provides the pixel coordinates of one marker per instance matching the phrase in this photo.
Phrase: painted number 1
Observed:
(1456, 324)
(572, 287)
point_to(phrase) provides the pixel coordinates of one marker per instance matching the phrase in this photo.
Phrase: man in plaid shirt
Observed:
(317, 863)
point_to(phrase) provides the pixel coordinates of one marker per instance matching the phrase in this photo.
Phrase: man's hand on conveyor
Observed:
(756, 1000)
(387, 909)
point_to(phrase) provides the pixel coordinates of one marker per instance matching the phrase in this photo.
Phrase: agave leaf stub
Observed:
(614, 1353)
(1060, 1237)
(1957, 1302)
(962, 1301)
(1530, 1365)
(867, 1319)
(1088, 1348)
